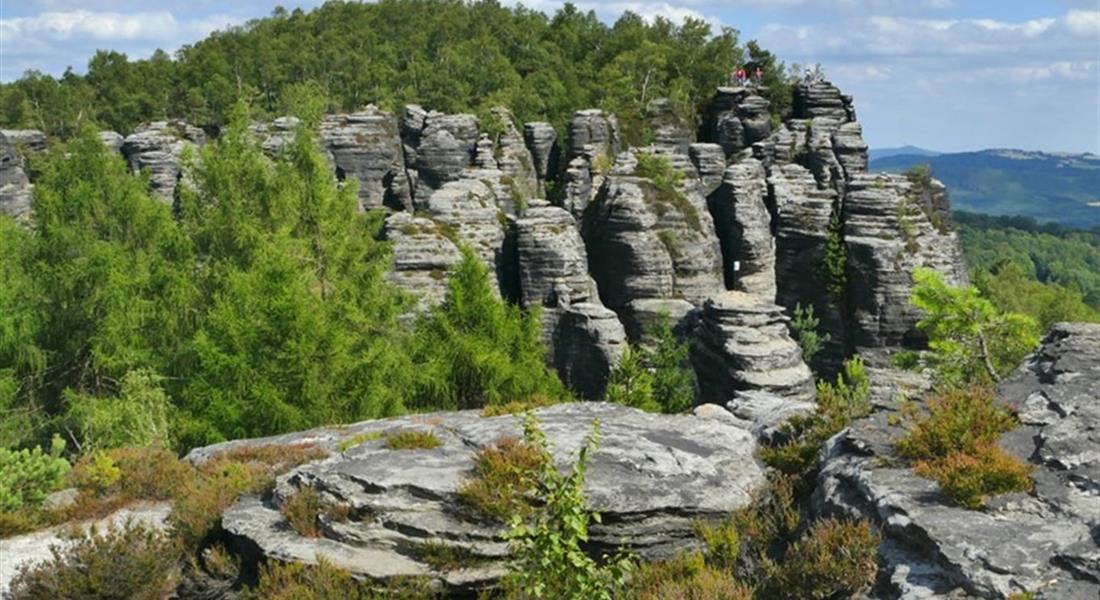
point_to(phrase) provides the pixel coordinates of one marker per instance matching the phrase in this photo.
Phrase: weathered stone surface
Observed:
(593, 133)
(889, 235)
(822, 99)
(640, 318)
(423, 256)
(111, 139)
(366, 147)
(32, 548)
(28, 140)
(542, 142)
(709, 161)
(15, 187)
(647, 243)
(766, 413)
(651, 478)
(736, 119)
(588, 342)
(1044, 542)
(469, 208)
(670, 131)
(850, 149)
(743, 344)
(744, 227)
(578, 187)
(513, 158)
(443, 146)
(156, 148)
(553, 264)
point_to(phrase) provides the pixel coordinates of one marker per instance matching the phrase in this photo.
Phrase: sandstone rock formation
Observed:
(1043, 542)
(743, 344)
(651, 479)
(366, 147)
(156, 148)
(424, 253)
(736, 119)
(15, 187)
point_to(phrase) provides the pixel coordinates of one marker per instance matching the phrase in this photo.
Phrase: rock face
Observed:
(744, 227)
(652, 477)
(15, 187)
(743, 344)
(822, 99)
(156, 148)
(423, 256)
(366, 147)
(736, 119)
(1044, 542)
(542, 142)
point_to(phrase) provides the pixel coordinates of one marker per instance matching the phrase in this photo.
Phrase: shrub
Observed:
(836, 258)
(359, 439)
(27, 476)
(137, 416)
(130, 561)
(302, 510)
(804, 324)
(505, 476)
(549, 561)
(956, 445)
(834, 559)
(413, 439)
(323, 581)
(673, 379)
(97, 473)
(446, 557)
(684, 577)
(631, 383)
(517, 406)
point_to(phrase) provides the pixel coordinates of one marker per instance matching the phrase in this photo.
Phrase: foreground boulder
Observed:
(1044, 542)
(652, 477)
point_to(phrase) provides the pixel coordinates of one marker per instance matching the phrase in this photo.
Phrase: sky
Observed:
(948, 75)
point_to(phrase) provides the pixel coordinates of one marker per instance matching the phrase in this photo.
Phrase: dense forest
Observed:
(449, 56)
(1046, 270)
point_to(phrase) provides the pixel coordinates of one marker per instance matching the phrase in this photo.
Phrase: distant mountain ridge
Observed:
(1057, 187)
(877, 153)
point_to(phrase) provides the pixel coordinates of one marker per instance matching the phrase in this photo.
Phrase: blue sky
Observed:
(943, 74)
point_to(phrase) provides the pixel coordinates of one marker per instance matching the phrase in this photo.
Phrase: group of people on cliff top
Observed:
(741, 77)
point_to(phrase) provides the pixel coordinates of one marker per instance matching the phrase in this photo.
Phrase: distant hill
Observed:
(1062, 188)
(877, 153)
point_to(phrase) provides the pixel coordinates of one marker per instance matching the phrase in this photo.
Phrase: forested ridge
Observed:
(446, 55)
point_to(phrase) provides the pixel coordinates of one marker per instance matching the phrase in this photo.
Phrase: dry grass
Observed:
(506, 474)
(413, 439)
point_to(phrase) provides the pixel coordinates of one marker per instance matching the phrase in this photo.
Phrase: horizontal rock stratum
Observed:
(652, 477)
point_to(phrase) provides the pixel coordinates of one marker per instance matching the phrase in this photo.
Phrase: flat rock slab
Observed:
(32, 548)
(651, 478)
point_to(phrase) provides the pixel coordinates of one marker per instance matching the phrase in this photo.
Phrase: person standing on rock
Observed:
(759, 77)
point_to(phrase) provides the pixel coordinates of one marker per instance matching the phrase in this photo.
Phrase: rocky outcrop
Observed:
(1043, 542)
(27, 140)
(646, 242)
(15, 187)
(744, 227)
(592, 134)
(588, 343)
(113, 140)
(709, 161)
(889, 235)
(542, 142)
(671, 131)
(156, 148)
(822, 99)
(366, 148)
(577, 181)
(652, 477)
(736, 119)
(424, 253)
(513, 158)
(743, 344)
(439, 147)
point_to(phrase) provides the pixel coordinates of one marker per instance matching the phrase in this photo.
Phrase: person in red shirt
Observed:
(759, 76)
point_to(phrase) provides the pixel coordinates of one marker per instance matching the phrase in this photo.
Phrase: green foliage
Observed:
(323, 581)
(447, 56)
(413, 439)
(657, 380)
(27, 476)
(956, 444)
(804, 324)
(1013, 290)
(130, 561)
(138, 416)
(836, 258)
(549, 561)
(98, 473)
(969, 339)
(476, 350)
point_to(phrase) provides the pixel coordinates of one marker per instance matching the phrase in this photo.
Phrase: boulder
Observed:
(743, 344)
(652, 478)
(587, 344)
(1043, 542)
(156, 148)
(366, 147)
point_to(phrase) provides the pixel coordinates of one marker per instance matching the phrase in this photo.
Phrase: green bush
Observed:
(131, 561)
(548, 558)
(27, 476)
(413, 439)
(631, 383)
(684, 577)
(804, 325)
(657, 380)
(476, 350)
(137, 416)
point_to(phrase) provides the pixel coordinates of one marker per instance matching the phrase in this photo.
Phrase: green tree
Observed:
(673, 379)
(969, 339)
(631, 383)
(804, 325)
(476, 350)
